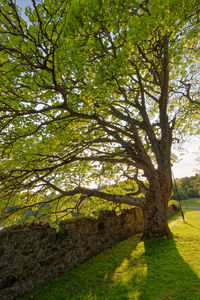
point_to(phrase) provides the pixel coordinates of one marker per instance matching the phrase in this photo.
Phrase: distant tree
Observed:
(94, 93)
(192, 193)
(187, 187)
(196, 183)
(179, 193)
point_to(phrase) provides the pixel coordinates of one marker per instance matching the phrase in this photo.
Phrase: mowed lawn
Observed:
(135, 269)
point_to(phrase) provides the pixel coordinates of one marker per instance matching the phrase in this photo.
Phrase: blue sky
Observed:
(23, 3)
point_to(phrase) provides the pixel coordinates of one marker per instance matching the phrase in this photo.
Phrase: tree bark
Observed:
(156, 221)
(155, 210)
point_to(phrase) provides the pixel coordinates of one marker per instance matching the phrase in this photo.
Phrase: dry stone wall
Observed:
(32, 255)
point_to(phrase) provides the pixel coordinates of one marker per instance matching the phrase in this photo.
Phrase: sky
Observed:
(23, 3)
(187, 164)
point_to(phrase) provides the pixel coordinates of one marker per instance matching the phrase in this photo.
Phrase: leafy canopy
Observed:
(91, 92)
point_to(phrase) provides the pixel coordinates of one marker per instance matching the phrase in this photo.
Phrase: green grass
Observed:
(135, 269)
(191, 202)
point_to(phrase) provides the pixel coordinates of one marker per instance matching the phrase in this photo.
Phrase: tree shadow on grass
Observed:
(159, 273)
(168, 275)
(192, 226)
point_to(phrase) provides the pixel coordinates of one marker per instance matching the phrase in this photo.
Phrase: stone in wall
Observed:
(173, 209)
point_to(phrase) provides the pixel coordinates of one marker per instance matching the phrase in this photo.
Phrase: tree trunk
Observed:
(155, 220)
(155, 210)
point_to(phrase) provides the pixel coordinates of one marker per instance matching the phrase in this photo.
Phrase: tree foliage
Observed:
(188, 187)
(93, 93)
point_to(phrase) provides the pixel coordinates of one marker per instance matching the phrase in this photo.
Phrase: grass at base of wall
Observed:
(134, 269)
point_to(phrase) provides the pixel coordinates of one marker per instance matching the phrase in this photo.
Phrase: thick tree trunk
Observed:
(155, 220)
(155, 210)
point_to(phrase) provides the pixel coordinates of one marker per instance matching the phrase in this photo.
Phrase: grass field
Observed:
(191, 202)
(135, 269)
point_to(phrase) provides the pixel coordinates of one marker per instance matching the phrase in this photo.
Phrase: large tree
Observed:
(91, 93)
